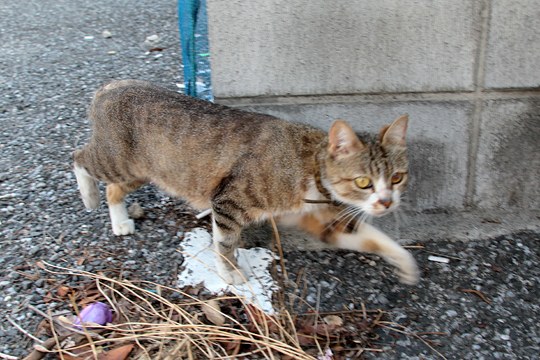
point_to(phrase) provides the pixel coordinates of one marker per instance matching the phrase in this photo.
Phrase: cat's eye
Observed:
(363, 182)
(397, 178)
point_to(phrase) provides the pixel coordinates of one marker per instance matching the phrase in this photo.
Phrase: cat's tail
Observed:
(88, 186)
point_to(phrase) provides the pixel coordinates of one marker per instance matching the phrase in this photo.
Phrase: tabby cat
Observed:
(245, 167)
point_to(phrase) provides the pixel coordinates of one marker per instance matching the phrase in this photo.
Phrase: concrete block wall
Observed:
(466, 72)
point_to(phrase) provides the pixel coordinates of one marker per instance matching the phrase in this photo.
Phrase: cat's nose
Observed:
(386, 202)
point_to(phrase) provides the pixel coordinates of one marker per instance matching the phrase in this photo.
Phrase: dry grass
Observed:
(157, 327)
(156, 322)
(163, 329)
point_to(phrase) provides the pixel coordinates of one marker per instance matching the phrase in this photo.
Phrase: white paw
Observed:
(88, 187)
(408, 270)
(232, 277)
(410, 277)
(126, 227)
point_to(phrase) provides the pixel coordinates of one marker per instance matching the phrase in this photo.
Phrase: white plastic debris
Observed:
(152, 38)
(200, 267)
(204, 213)
(106, 34)
(439, 259)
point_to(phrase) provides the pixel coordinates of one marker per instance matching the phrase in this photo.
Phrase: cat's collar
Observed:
(325, 201)
(323, 191)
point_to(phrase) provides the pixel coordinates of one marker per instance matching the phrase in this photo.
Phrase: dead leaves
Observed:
(119, 353)
(212, 311)
(86, 353)
(333, 320)
(310, 333)
(63, 291)
(258, 319)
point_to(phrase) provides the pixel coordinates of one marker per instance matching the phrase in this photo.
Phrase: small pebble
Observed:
(34, 250)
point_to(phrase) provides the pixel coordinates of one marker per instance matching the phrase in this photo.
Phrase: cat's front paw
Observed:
(125, 227)
(408, 271)
(409, 277)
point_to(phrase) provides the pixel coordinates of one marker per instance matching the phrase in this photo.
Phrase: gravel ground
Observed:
(504, 270)
(55, 56)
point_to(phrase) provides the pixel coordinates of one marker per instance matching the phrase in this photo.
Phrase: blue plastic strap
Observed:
(187, 21)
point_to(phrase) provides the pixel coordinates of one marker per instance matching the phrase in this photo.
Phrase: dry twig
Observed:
(478, 293)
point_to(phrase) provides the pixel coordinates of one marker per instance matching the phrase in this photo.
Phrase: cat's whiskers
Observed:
(354, 215)
(364, 217)
(346, 214)
(404, 202)
(402, 216)
(338, 219)
(351, 213)
(397, 223)
(401, 221)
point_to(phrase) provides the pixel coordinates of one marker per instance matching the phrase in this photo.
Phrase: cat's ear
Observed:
(394, 134)
(342, 141)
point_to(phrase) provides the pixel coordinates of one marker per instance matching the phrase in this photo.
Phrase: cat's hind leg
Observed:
(116, 192)
(88, 186)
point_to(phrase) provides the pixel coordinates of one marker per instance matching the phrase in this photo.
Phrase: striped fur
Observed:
(245, 166)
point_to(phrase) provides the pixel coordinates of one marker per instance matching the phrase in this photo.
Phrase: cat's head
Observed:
(370, 174)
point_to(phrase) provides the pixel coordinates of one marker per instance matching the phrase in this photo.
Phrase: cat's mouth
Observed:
(379, 212)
